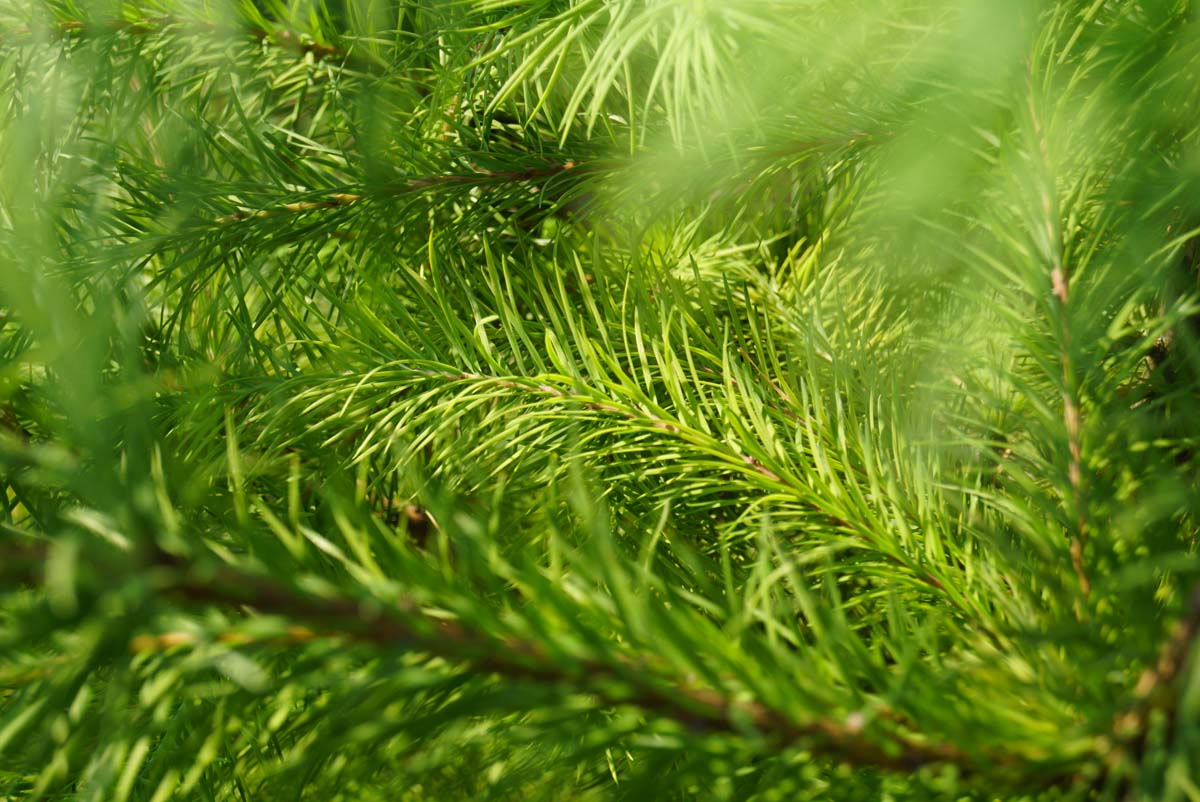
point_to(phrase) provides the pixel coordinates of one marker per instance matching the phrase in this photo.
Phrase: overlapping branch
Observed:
(416, 184)
(403, 625)
(282, 38)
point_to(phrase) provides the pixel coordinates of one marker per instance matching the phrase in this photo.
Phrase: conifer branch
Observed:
(416, 184)
(1060, 290)
(717, 469)
(402, 625)
(149, 26)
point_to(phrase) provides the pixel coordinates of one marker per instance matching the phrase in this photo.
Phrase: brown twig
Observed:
(402, 624)
(878, 738)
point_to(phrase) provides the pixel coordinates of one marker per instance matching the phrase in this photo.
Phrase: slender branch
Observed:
(333, 201)
(416, 184)
(734, 460)
(402, 624)
(1060, 287)
(638, 680)
(163, 641)
(279, 37)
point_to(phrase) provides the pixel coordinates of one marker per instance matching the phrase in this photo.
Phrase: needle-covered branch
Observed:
(400, 624)
(600, 399)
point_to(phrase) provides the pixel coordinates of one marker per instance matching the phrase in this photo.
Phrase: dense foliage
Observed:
(599, 399)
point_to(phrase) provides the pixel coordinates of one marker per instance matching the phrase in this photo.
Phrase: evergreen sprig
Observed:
(637, 399)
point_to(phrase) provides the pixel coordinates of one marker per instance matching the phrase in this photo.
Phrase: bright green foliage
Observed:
(599, 399)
